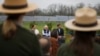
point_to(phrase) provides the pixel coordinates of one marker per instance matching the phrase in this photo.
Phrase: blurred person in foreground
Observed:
(54, 43)
(14, 39)
(45, 44)
(60, 31)
(34, 29)
(46, 32)
(85, 26)
(97, 39)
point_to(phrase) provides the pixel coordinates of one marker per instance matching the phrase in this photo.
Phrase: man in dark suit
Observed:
(60, 34)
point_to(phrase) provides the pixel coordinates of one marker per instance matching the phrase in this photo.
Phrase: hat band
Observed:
(88, 25)
(15, 7)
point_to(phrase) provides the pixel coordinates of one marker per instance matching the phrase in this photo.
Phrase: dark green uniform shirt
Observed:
(23, 43)
(64, 50)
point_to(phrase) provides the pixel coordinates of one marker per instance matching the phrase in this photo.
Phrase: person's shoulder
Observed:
(97, 45)
(96, 49)
(63, 50)
(36, 30)
(64, 47)
(25, 32)
(23, 29)
(0, 27)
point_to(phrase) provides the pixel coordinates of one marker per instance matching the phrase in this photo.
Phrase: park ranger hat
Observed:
(85, 20)
(16, 6)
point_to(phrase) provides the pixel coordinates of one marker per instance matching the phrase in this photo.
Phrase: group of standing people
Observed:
(46, 32)
(51, 39)
(18, 41)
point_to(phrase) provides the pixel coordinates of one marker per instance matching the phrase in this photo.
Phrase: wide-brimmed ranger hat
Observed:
(85, 20)
(16, 6)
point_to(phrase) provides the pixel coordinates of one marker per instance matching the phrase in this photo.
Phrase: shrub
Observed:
(49, 25)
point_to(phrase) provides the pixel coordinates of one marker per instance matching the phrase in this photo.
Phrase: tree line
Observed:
(60, 9)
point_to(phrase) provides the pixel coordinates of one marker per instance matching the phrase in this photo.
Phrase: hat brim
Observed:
(69, 24)
(30, 7)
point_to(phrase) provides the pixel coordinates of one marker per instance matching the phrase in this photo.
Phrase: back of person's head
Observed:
(85, 35)
(54, 33)
(43, 41)
(45, 44)
(14, 11)
(46, 27)
(85, 27)
(83, 43)
(58, 25)
(32, 26)
(9, 26)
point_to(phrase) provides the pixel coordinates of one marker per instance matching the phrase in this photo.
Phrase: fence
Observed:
(44, 18)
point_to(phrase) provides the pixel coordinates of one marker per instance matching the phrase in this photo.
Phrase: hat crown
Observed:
(85, 16)
(16, 6)
(15, 2)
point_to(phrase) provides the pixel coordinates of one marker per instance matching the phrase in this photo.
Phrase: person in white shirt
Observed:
(34, 30)
(46, 32)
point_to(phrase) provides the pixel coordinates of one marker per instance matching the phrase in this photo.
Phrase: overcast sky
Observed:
(45, 3)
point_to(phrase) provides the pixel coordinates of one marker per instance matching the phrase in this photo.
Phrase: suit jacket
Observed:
(46, 33)
(60, 32)
(23, 43)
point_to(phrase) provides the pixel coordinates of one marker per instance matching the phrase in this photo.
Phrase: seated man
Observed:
(46, 32)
